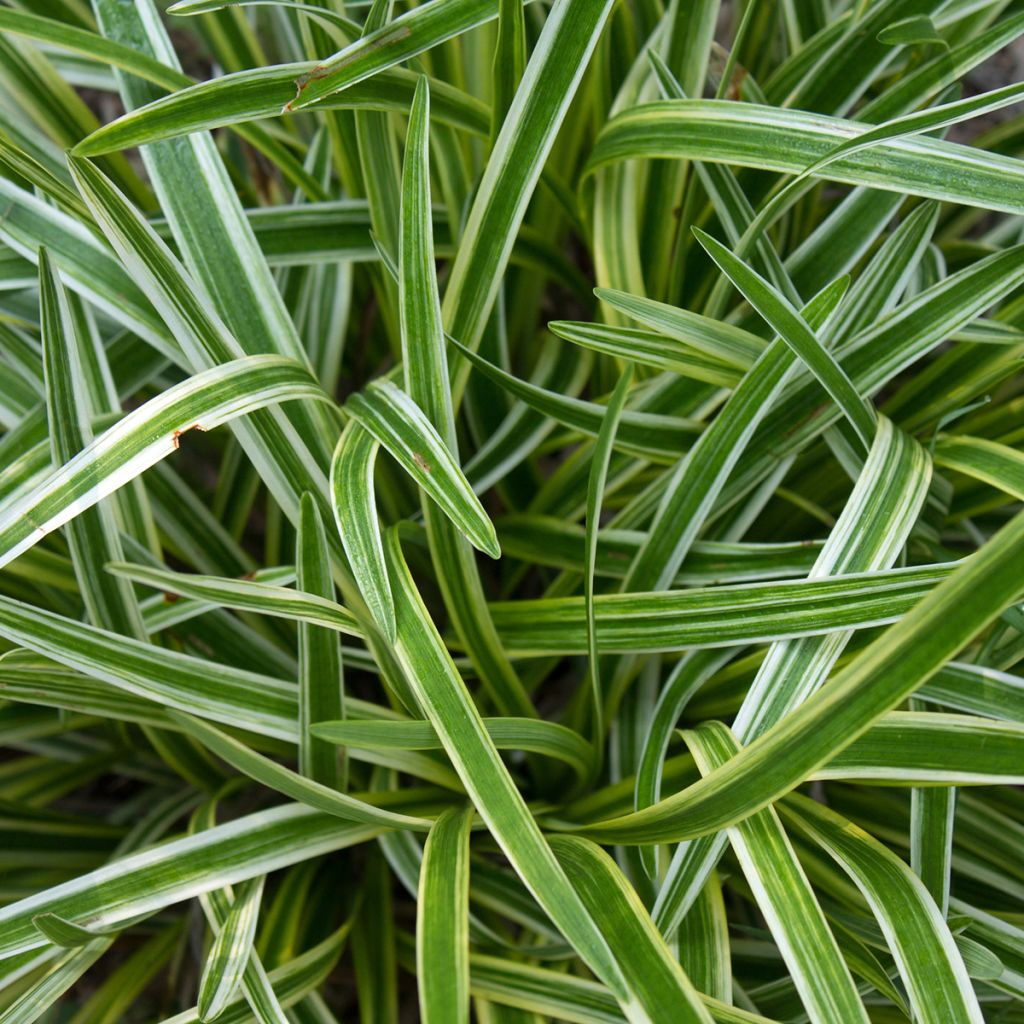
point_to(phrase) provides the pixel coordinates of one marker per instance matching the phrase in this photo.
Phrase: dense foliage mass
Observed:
(511, 511)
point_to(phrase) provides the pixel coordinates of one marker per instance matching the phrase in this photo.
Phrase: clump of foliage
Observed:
(511, 511)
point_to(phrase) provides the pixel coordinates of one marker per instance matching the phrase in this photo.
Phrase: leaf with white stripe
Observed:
(793, 329)
(227, 959)
(988, 461)
(246, 595)
(442, 921)
(784, 896)
(92, 534)
(180, 869)
(882, 675)
(921, 943)
(275, 776)
(144, 437)
(769, 138)
(355, 514)
(321, 682)
(444, 698)
(398, 423)
(661, 992)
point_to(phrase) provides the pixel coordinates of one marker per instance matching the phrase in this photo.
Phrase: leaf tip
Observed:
(488, 543)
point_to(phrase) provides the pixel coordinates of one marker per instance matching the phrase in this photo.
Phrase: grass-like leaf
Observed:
(701, 320)
(442, 934)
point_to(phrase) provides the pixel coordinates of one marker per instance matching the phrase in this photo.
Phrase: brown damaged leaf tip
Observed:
(176, 436)
(323, 70)
(301, 84)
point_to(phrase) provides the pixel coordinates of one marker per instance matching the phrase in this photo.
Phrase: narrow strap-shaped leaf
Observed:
(648, 435)
(424, 362)
(65, 933)
(63, 974)
(703, 940)
(698, 480)
(190, 8)
(321, 684)
(290, 783)
(994, 463)
(903, 748)
(548, 540)
(373, 951)
(595, 496)
(661, 992)
(927, 957)
(932, 814)
(246, 595)
(616, 232)
(442, 921)
(426, 373)
(794, 331)
(928, 120)
(246, 700)
(218, 905)
(784, 896)
(713, 337)
(227, 959)
(563, 996)
(547, 738)
(750, 135)
(355, 514)
(509, 59)
(397, 423)
(869, 535)
(177, 870)
(976, 689)
(908, 31)
(444, 698)
(715, 616)
(233, 99)
(92, 535)
(648, 349)
(378, 157)
(549, 83)
(881, 676)
(145, 436)
(936, 750)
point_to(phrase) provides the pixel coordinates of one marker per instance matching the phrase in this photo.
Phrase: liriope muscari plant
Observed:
(511, 511)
